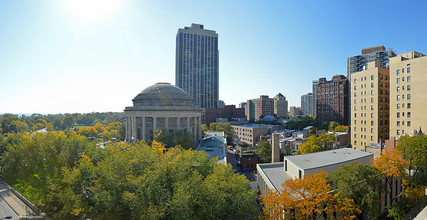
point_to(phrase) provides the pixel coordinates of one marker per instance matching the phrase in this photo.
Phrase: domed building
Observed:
(162, 107)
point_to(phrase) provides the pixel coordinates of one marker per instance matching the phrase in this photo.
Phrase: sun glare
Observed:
(92, 10)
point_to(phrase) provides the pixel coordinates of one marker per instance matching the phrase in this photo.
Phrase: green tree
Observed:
(263, 151)
(333, 125)
(18, 126)
(362, 183)
(68, 121)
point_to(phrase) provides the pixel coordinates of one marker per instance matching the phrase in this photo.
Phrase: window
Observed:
(403, 79)
(381, 76)
(408, 88)
(408, 106)
(372, 77)
(300, 174)
(398, 97)
(372, 85)
(398, 89)
(355, 101)
(408, 115)
(286, 165)
(372, 92)
(398, 106)
(408, 70)
(403, 96)
(372, 138)
(372, 100)
(398, 132)
(398, 123)
(355, 122)
(355, 80)
(372, 123)
(398, 80)
(398, 115)
(355, 87)
(397, 72)
(372, 115)
(355, 108)
(372, 107)
(355, 115)
(355, 94)
(408, 123)
(403, 87)
(408, 79)
(408, 97)
(403, 70)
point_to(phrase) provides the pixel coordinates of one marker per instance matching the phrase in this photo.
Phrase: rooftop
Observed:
(326, 158)
(275, 172)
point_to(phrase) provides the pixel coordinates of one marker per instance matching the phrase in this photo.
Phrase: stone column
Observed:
(127, 130)
(188, 124)
(167, 123)
(199, 128)
(195, 129)
(154, 126)
(134, 128)
(143, 127)
(178, 123)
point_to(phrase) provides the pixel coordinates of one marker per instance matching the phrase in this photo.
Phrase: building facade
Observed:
(332, 100)
(307, 104)
(162, 107)
(250, 133)
(229, 112)
(265, 106)
(408, 94)
(251, 109)
(378, 53)
(295, 111)
(197, 64)
(370, 95)
(280, 106)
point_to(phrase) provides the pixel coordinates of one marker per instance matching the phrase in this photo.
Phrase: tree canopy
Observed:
(67, 176)
(264, 151)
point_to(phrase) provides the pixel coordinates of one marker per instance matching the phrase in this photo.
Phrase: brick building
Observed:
(332, 100)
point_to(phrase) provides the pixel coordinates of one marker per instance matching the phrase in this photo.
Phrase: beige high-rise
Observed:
(408, 94)
(370, 106)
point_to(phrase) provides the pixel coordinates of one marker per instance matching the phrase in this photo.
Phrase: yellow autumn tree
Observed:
(307, 198)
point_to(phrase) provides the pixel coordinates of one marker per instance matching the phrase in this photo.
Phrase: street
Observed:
(232, 159)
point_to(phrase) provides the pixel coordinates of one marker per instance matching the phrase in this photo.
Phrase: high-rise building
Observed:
(315, 84)
(197, 65)
(280, 106)
(307, 104)
(332, 100)
(379, 53)
(408, 94)
(370, 92)
(252, 109)
(265, 106)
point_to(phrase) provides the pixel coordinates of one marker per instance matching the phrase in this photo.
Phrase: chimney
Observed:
(275, 151)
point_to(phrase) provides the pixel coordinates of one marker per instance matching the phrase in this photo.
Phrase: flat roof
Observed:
(326, 158)
(275, 172)
(254, 125)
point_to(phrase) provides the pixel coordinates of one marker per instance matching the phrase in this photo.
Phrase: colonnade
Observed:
(142, 127)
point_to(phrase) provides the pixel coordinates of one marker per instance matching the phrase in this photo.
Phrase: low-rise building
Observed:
(272, 175)
(250, 133)
(229, 112)
(215, 146)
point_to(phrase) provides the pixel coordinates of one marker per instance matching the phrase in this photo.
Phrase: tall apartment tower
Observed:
(332, 100)
(408, 94)
(379, 53)
(197, 66)
(315, 84)
(370, 95)
(280, 106)
(307, 104)
(252, 109)
(265, 106)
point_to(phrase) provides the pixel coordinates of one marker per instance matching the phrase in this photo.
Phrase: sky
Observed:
(79, 56)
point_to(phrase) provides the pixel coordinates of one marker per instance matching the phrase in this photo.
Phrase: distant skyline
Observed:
(96, 56)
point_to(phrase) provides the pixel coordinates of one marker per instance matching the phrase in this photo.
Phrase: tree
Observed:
(340, 128)
(205, 127)
(359, 182)
(333, 125)
(414, 150)
(307, 198)
(316, 144)
(68, 121)
(263, 151)
(20, 126)
(175, 138)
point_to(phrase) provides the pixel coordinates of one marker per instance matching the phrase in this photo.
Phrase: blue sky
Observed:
(65, 57)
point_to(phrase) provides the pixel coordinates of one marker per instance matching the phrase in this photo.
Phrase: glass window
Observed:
(355, 115)
(408, 123)
(372, 107)
(408, 79)
(355, 94)
(355, 80)
(372, 115)
(398, 123)
(372, 85)
(372, 123)
(398, 133)
(372, 100)
(408, 70)
(403, 79)
(408, 88)
(355, 87)
(398, 106)
(398, 80)
(409, 105)
(408, 96)
(398, 115)
(397, 72)
(372, 77)
(408, 114)
(403, 70)
(355, 101)
(372, 92)
(398, 98)
(372, 130)
(398, 89)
